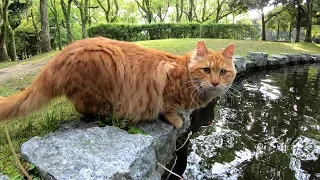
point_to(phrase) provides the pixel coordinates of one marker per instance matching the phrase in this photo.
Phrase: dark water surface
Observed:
(270, 130)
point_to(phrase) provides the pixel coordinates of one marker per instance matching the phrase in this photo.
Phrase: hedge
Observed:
(130, 32)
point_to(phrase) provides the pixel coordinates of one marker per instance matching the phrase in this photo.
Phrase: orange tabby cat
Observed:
(103, 76)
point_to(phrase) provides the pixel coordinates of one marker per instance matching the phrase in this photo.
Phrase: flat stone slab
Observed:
(93, 153)
(80, 150)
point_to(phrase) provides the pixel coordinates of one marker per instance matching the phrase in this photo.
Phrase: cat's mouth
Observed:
(214, 92)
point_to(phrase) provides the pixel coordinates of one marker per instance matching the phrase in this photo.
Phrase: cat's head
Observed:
(212, 72)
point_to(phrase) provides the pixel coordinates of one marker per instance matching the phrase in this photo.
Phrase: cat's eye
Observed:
(223, 72)
(207, 70)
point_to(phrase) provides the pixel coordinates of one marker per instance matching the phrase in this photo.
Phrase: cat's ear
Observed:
(228, 52)
(202, 49)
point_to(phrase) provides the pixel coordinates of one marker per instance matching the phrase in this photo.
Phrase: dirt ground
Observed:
(21, 70)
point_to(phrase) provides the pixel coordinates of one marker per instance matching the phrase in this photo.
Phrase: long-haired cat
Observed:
(102, 76)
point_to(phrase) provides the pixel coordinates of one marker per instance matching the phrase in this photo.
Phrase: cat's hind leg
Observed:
(91, 106)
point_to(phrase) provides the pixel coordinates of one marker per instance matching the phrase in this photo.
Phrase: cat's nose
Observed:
(214, 84)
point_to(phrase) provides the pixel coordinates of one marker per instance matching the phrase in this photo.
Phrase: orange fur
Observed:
(102, 76)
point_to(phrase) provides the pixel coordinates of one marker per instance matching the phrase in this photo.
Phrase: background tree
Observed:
(110, 13)
(53, 8)
(83, 7)
(309, 12)
(161, 9)
(259, 5)
(45, 45)
(3, 28)
(66, 9)
(145, 9)
(179, 9)
(190, 10)
(279, 22)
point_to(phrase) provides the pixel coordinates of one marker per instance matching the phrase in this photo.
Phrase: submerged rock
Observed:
(305, 151)
(3, 177)
(216, 156)
(83, 151)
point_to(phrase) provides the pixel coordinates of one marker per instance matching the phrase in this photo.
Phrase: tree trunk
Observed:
(298, 25)
(36, 32)
(218, 12)
(204, 9)
(278, 30)
(66, 9)
(309, 22)
(45, 45)
(53, 9)
(3, 28)
(263, 26)
(11, 44)
(190, 13)
(290, 31)
(115, 16)
(149, 14)
(83, 8)
(179, 10)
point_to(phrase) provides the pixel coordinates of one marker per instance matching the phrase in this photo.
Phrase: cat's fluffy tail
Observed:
(27, 101)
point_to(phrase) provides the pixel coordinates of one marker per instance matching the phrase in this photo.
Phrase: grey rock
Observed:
(258, 58)
(282, 59)
(92, 153)
(250, 65)
(240, 63)
(292, 58)
(3, 177)
(308, 57)
(80, 150)
(316, 57)
(165, 137)
(303, 59)
(273, 62)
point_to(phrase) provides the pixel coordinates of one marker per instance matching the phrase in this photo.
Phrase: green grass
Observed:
(180, 46)
(61, 111)
(42, 57)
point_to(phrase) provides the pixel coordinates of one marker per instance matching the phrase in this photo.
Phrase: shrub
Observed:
(129, 32)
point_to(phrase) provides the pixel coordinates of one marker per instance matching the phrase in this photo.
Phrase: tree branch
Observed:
(274, 14)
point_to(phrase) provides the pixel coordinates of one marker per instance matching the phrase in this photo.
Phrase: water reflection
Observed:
(272, 132)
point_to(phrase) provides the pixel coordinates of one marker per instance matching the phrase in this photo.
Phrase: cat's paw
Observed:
(178, 123)
(174, 119)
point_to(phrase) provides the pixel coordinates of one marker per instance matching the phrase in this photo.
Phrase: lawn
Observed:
(60, 111)
(180, 46)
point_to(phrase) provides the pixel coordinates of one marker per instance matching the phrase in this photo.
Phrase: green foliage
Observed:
(128, 32)
(135, 130)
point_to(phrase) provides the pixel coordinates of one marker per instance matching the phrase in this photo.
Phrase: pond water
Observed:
(268, 129)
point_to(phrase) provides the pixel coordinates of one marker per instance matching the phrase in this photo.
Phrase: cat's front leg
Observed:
(174, 119)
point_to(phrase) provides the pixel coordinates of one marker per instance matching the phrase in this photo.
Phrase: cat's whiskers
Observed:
(238, 93)
(193, 94)
(193, 83)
